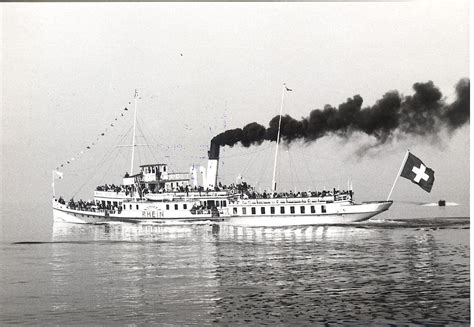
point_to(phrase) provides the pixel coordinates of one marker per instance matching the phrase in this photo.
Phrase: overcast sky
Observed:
(69, 69)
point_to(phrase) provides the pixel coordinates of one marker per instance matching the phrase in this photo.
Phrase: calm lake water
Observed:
(394, 272)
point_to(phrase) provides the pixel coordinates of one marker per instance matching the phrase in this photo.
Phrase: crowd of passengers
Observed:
(88, 205)
(249, 192)
(291, 194)
(127, 189)
(242, 188)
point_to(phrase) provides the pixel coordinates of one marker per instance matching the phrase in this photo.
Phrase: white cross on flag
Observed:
(416, 171)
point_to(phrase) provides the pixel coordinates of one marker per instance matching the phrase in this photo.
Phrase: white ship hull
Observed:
(157, 195)
(342, 213)
(86, 218)
(297, 220)
(61, 213)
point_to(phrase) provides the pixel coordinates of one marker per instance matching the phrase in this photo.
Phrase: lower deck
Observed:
(245, 213)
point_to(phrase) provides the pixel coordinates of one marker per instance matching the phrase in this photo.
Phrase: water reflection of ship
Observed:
(133, 272)
(272, 274)
(129, 232)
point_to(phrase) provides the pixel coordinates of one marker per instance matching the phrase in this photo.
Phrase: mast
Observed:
(278, 139)
(134, 131)
(54, 191)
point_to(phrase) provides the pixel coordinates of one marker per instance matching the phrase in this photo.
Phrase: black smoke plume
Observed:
(423, 113)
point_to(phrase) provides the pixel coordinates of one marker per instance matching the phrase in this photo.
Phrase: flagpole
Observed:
(398, 174)
(278, 140)
(54, 192)
(134, 130)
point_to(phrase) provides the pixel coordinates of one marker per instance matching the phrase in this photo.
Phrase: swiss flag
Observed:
(416, 171)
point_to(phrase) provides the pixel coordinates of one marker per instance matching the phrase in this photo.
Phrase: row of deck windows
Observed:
(109, 203)
(185, 206)
(253, 210)
(216, 203)
(209, 203)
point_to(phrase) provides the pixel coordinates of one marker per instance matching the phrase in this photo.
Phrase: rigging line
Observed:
(142, 127)
(310, 174)
(112, 160)
(140, 156)
(264, 165)
(291, 171)
(143, 132)
(296, 170)
(122, 155)
(89, 143)
(247, 166)
(87, 180)
(103, 160)
(279, 173)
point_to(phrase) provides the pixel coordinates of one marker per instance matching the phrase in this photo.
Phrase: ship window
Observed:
(234, 211)
(109, 203)
(272, 210)
(130, 207)
(262, 210)
(185, 206)
(137, 206)
(323, 209)
(167, 207)
(224, 203)
(175, 207)
(124, 207)
(313, 210)
(164, 168)
(302, 209)
(103, 202)
(292, 209)
(254, 211)
(282, 210)
(115, 204)
(244, 211)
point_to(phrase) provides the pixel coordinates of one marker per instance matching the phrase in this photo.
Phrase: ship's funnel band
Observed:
(213, 153)
(212, 165)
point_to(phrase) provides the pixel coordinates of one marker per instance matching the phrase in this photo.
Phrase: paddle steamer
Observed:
(156, 195)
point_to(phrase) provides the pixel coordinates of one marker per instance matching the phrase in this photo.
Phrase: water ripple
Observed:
(362, 274)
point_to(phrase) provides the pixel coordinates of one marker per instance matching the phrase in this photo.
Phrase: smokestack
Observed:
(212, 165)
(213, 153)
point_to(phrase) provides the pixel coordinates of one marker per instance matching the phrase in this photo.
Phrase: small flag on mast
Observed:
(286, 87)
(416, 171)
(57, 174)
